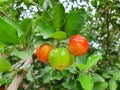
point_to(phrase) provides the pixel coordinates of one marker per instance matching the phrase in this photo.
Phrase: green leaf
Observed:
(58, 16)
(1, 1)
(2, 81)
(116, 75)
(78, 86)
(25, 25)
(29, 75)
(81, 66)
(51, 75)
(72, 69)
(48, 76)
(5, 65)
(23, 54)
(57, 76)
(74, 22)
(2, 46)
(44, 29)
(81, 59)
(44, 71)
(59, 35)
(26, 1)
(41, 2)
(94, 3)
(106, 75)
(65, 73)
(100, 86)
(98, 78)
(112, 84)
(8, 32)
(117, 5)
(69, 84)
(86, 81)
(112, 73)
(92, 60)
(26, 28)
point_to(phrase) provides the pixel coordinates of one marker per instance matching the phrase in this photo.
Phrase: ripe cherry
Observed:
(43, 51)
(78, 45)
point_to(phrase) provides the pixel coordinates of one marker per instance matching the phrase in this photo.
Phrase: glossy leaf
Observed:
(74, 22)
(1, 1)
(2, 46)
(29, 75)
(5, 65)
(59, 35)
(100, 86)
(8, 32)
(26, 28)
(65, 73)
(116, 75)
(58, 16)
(2, 81)
(44, 29)
(117, 5)
(23, 54)
(48, 76)
(106, 75)
(86, 81)
(41, 2)
(81, 66)
(44, 71)
(24, 25)
(98, 78)
(112, 84)
(92, 60)
(57, 76)
(69, 84)
(78, 86)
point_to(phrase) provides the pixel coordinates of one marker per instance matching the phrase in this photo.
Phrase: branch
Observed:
(19, 77)
(108, 25)
(3, 14)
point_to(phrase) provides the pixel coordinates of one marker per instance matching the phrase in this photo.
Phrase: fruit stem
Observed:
(55, 43)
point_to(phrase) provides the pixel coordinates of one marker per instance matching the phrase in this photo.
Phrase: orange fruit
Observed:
(42, 52)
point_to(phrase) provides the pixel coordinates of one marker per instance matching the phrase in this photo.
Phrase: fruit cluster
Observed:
(61, 58)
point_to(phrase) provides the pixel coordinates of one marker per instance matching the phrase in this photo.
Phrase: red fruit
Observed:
(78, 45)
(43, 51)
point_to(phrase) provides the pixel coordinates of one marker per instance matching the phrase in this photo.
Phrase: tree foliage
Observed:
(26, 24)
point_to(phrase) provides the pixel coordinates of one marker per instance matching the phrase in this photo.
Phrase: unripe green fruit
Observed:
(60, 58)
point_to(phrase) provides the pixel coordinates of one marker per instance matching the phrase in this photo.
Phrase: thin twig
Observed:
(3, 14)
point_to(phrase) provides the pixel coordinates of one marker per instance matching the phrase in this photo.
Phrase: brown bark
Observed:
(19, 77)
(2, 87)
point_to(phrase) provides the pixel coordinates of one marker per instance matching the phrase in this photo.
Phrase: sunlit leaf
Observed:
(58, 16)
(5, 65)
(86, 81)
(100, 86)
(2, 81)
(98, 78)
(112, 84)
(44, 29)
(74, 22)
(29, 75)
(23, 54)
(92, 60)
(68, 84)
(59, 35)
(8, 32)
